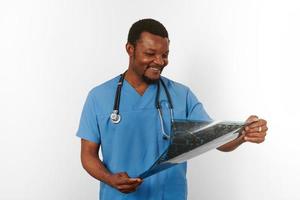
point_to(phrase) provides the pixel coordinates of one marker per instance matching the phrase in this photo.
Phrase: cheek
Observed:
(142, 59)
(146, 60)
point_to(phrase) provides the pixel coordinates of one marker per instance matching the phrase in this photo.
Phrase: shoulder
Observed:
(104, 89)
(181, 91)
(102, 95)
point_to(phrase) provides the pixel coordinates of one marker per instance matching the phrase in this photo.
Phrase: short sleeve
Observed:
(195, 109)
(88, 126)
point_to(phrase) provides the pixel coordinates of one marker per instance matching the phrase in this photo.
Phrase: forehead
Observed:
(150, 41)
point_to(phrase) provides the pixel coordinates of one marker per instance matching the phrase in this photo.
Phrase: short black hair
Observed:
(146, 25)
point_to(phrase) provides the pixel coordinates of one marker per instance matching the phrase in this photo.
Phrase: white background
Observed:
(240, 58)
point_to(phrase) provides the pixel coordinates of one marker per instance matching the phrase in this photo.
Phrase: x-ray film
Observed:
(190, 139)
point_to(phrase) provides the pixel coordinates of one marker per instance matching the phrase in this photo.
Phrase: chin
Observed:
(150, 80)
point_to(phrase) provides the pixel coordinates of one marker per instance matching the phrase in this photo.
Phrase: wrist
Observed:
(107, 178)
(240, 140)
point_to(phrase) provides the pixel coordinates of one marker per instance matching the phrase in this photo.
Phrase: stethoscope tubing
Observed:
(116, 117)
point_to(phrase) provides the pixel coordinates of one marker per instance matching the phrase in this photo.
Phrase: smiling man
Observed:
(121, 116)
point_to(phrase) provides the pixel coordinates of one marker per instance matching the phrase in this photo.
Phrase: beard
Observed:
(150, 80)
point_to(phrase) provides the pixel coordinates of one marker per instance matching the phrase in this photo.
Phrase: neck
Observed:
(136, 82)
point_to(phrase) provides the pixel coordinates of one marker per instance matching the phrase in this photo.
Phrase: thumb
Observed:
(251, 119)
(123, 174)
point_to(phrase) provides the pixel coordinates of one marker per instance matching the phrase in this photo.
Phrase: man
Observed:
(132, 142)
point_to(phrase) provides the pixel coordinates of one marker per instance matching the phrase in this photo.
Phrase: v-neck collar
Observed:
(141, 101)
(148, 89)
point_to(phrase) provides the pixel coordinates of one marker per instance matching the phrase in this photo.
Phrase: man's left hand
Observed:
(255, 131)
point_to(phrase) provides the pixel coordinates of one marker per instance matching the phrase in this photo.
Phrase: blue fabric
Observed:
(136, 142)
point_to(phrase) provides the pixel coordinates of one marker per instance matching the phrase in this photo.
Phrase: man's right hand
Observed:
(122, 182)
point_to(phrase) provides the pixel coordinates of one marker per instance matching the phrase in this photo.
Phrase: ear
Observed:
(130, 49)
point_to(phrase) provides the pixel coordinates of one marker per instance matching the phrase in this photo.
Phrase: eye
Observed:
(149, 54)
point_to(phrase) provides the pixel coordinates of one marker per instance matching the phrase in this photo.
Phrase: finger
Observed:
(256, 129)
(137, 180)
(134, 183)
(254, 140)
(123, 174)
(257, 135)
(251, 119)
(254, 125)
(123, 181)
(128, 181)
(261, 122)
(128, 188)
(122, 178)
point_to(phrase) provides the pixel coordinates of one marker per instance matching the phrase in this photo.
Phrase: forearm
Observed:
(120, 181)
(95, 167)
(230, 146)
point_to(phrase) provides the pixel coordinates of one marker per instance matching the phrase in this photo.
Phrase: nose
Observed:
(159, 60)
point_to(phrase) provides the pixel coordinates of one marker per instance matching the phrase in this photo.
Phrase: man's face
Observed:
(149, 56)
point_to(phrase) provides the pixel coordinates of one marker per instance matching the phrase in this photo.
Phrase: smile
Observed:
(154, 69)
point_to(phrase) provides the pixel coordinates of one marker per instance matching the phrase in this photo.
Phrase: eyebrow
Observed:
(155, 50)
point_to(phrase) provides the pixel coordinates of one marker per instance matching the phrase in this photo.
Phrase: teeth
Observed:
(155, 69)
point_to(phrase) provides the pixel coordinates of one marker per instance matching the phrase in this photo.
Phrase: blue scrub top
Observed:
(137, 141)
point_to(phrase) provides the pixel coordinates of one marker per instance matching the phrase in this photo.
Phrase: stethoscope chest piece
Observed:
(115, 117)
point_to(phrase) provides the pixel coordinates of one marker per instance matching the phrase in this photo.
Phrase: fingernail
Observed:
(246, 138)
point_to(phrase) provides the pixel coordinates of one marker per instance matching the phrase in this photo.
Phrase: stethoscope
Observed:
(116, 117)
